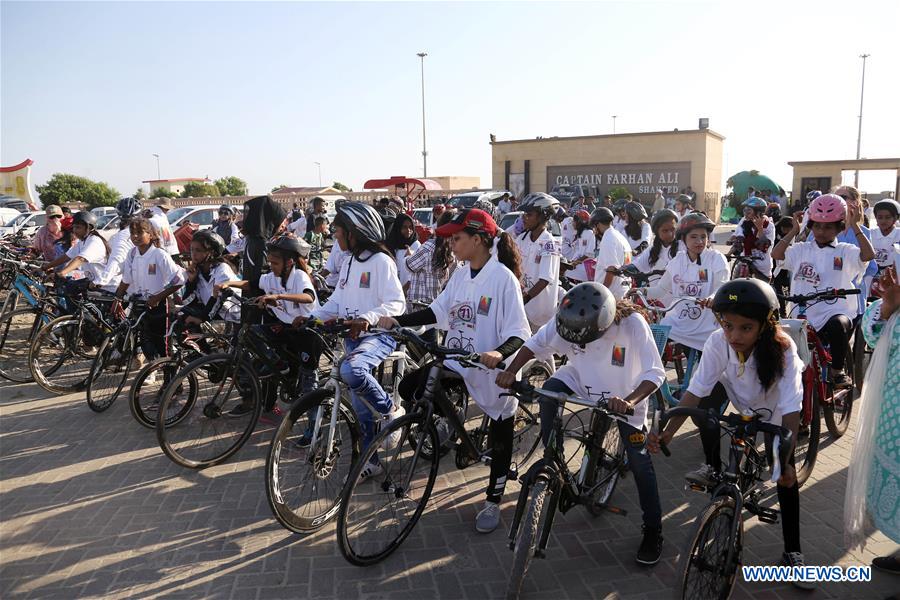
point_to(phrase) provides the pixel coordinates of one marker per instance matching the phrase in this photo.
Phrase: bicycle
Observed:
(378, 503)
(743, 267)
(550, 485)
(709, 568)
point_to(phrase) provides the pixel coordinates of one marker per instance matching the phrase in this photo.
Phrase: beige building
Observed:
(824, 175)
(457, 182)
(175, 186)
(639, 162)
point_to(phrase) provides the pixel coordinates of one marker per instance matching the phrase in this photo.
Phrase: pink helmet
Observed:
(828, 208)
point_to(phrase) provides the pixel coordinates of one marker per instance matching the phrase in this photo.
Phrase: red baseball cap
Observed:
(473, 219)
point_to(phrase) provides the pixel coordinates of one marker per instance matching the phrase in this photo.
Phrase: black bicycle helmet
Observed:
(539, 202)
(601, 215)
(289, 244)
(635, 211)
(211, 240)
(692, 221)
(685, 199)
(363, 220)
(228, 208)
(619, 205)
(128, 207)
(745, 292)
(86, 217)
(889, 205)
(585, 313)
(660, 217)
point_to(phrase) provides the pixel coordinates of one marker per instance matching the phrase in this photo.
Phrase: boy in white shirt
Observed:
(613, 251)
(886, 234)
(540, 259)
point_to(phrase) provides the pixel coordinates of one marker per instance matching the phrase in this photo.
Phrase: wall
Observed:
(304, 200)
(453, 182)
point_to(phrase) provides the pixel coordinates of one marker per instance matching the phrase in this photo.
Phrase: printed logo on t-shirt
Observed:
(462, 315)
(151, 269)
(484, 305)
(838, 263)
(807, 272)
(365, 279)
(618, 356)
(703, 275)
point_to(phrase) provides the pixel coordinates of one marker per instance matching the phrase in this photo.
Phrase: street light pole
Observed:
(862, 91)
(319, 165)
(422, 56)
(157, 166)
(614, 124)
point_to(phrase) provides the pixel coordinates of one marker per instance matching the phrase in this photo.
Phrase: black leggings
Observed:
(836, 334)
(153, 331)
(500, 433)
(788, 497)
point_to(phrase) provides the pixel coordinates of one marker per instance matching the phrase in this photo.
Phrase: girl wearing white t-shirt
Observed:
(754, 236)
(480, 309)
(886, 234)
(696, 272)
(583, 246)
(613, 252)
(402, 241)
(664, 247)
(611, 354)
(540, 259)
(85, 259)
(637, 230)
(754, 364)
(149, 273)
(207, 270)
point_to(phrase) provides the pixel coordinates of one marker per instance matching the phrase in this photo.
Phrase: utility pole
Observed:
(422, 56)
(614, 124)
(157, 166)
(319, 165)
(862, 92)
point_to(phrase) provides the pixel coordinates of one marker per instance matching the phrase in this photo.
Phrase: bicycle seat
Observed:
(796, 330)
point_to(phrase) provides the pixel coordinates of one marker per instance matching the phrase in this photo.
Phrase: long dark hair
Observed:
(657, 247)
(771, 344)
(508, 253)
(442, 256)
(633, 228)
(581, 227)
(395, 240)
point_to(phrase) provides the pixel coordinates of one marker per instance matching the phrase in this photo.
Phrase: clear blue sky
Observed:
(262, 90)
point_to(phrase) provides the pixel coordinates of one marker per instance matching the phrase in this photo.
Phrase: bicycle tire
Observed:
(207, 427)
(145, 396)
(281, 470)
(458, 396)
(807, 448)
(706, 544)
(837, 413)
(356, 507)
(526, 437)
(17, 330)
(59, 359)
(109, 372)
(527, 538)
(606, 469)
(862, 356)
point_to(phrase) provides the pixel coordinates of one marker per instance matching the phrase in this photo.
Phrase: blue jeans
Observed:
(639, 463)
(363, 355)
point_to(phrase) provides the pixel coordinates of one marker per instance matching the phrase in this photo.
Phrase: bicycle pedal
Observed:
(613, 509)
(696, 487)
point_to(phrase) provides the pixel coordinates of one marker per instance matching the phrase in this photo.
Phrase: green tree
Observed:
(197, 189)
(231, 186)
(63, 188)
(140, 194)
(279, 187)
(163, 193)
(340, 186)
(617, 193)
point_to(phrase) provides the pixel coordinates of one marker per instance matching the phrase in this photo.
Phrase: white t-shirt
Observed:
(119, 247)
(298, 227)
(583, 246)
(567, 230)
(366, 289)
(237, 245)
(540, 260)
(642, 262)
(163, 230)
(613, 251)
(220, 273)
(720, 364)
(691, 324)
(884, 246)
(618, 224)
(478, 315)
(614, 365)
(333, 265)
(400, 257)
(92, 250)
(151, 272)
(761, 260)
(646, 236)
(298, 282)
(815, 269)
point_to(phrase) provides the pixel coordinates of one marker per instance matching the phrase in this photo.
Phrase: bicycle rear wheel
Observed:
(709, 568)
(149, 386)
(218, 421)
(17, 330)
(527, 538)
(60, 359)
(807, 448)
(110, 371)
(379, 512)
(305, 477)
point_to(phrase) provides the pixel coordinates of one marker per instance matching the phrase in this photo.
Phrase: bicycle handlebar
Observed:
(464, 357)
(521, 388)
(830, 294)
(632, 271)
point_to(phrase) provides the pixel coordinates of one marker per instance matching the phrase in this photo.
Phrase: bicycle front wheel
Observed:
(17, 329)
(709, 568)
(807, 448)
(377, 513)
(837, 412)
(603, 475)
(109, 372)
(526, 538)
(149, 386)
(218, 421)
(305, 476)
(60, 359)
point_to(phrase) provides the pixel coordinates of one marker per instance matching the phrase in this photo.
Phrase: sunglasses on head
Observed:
(56, 216)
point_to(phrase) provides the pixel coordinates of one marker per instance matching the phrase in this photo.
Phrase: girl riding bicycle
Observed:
(886, 234)
(611, 354)
(825, 263)
(402, 242)
(583, 246)
(751, 362)
(754, 235)
(208, 271)
(637, 230)
(540, 259)
(85, 260)
(483, 302)
(664, 247)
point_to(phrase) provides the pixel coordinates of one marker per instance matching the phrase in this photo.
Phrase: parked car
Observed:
(509, 218)
(108, 225)
(567, 193)
(7, 215)
(423, 219)
(26, 223)
(7, 201)
(101, 211)
(203, 215)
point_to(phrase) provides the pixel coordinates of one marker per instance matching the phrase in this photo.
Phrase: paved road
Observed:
(90, 507)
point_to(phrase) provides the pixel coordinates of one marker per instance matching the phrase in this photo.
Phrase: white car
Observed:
(108, 225)
(26, 223)
(7, 215)
(203, 215)
(102, 211)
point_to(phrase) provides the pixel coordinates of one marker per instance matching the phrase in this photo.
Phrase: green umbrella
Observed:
(741, 183)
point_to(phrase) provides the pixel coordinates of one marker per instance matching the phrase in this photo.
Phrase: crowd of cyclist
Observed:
(514, 295)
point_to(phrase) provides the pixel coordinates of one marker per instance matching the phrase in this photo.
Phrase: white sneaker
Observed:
(703, 476)
(795, 559)
(393, 439)
(371, 470)
(488, 518)
(151, 379)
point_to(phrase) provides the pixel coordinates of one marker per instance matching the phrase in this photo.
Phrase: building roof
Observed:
(307, 190)
(851, 163)
(177, 180)
(612, 135)
(25, 163)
